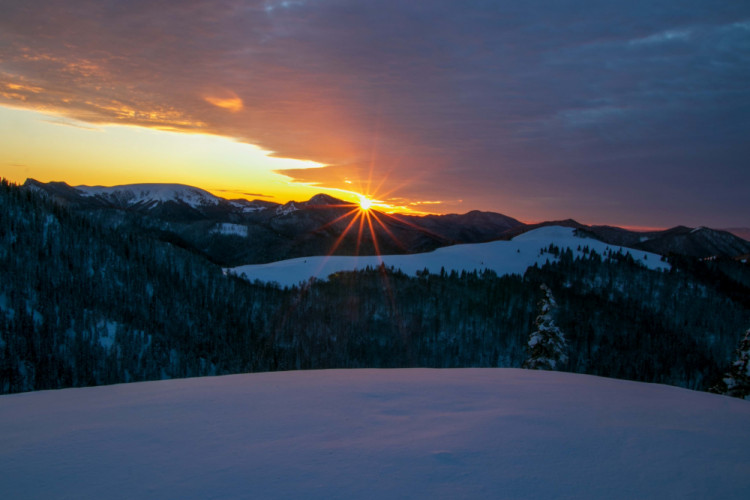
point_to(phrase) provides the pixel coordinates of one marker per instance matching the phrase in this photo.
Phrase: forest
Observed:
(83, 303)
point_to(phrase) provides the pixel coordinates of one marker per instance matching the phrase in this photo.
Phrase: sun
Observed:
(365, 203)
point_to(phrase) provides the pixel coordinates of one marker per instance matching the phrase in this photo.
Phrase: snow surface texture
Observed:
(132, 194)
(467, 433)
(503, 257)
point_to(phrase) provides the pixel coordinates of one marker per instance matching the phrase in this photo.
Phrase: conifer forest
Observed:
(87, 303)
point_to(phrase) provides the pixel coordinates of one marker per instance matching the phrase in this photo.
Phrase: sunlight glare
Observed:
(365, 203)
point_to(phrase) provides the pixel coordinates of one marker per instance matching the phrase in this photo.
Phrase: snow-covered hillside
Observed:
(132, 194)
(470, 433)
(229, 229)
(503, 257)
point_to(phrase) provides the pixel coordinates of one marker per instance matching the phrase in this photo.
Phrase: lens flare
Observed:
(365, 203)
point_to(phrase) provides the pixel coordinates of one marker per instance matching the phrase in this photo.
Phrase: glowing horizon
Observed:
(127, 154)
(137, 154)
(239, 170)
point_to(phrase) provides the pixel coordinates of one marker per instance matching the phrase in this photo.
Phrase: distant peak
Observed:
(323, 199)
(286, 208)
(55, 184)
(132, 194)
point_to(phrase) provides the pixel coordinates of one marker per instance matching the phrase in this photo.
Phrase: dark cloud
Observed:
(631, 113)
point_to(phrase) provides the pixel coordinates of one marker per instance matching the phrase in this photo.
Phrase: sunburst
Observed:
(365, 203)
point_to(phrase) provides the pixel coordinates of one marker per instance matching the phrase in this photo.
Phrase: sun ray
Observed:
(387, 230)
(342, 235)
(334, 221)
(359, 232)
(374, 237)
(418, 228)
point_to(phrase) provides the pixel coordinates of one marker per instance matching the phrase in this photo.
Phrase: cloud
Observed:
(501, 103)
(229, 101)
(244, 194)
(663, 37)
(70, 123)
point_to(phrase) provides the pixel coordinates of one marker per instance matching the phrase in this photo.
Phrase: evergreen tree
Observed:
(736, 381)
(547, 344)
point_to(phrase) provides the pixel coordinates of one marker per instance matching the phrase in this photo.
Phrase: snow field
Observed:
(418, 433)
(503, 257)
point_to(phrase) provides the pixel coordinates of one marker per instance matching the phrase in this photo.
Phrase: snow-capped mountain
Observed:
(148, 199)
(148, 195)
(287, 208)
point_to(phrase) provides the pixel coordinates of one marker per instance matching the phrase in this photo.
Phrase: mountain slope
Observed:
(700, 242)
(314, 227)
(472, 433)
(502, 257)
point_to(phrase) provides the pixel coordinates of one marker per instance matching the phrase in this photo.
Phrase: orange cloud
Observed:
(151, 116)
(21, 87)
(232, 103)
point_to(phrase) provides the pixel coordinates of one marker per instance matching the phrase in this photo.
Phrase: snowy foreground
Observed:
(466, 433)
(503, 257)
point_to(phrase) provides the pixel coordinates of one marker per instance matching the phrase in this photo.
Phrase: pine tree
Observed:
(736, 381)
(547, 344)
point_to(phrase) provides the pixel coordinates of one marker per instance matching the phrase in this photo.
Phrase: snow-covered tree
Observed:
(736, 381)
(547, 344)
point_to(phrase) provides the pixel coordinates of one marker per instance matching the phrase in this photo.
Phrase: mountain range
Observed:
(108, 290)
(238, 232)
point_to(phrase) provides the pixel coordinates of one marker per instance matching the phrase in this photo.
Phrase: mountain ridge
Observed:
(83, 302)
(326, 225)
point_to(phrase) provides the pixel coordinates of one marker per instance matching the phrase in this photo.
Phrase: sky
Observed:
(628, 113)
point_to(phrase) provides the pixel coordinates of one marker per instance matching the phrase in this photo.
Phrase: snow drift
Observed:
(467, 433)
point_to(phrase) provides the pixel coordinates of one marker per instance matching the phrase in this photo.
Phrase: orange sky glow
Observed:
(444, 108)
(51, 147)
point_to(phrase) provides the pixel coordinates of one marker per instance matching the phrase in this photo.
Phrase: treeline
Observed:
(622, 320)
(83, 304)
